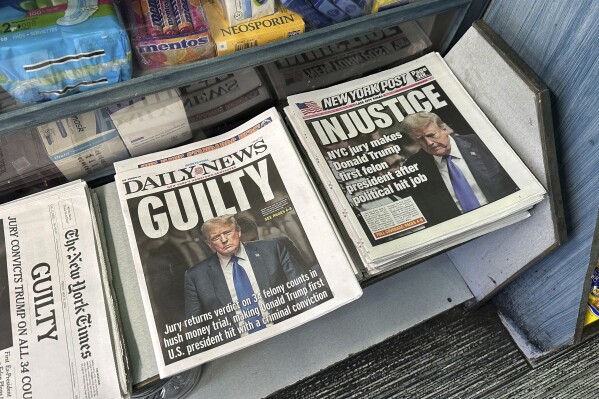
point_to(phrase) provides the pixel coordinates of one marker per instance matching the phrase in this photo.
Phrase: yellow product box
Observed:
(228, 39)
(382, 5)
(592, 314)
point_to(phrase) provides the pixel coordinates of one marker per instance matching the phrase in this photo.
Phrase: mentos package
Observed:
(168, 32)
(61, 49)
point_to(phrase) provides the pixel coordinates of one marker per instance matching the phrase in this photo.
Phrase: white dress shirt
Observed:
(227, 265)
(459, 161)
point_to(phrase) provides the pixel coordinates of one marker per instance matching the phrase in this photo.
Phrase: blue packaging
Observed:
(311, 17)
(57, 51)
(329, 9)
(349, 7)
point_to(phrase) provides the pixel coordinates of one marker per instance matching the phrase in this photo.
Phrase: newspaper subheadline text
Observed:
(367, 176)
(200, 332)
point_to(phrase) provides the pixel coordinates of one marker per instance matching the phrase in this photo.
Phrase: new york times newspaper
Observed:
(55, 337)
(387, 148)
(231, 243)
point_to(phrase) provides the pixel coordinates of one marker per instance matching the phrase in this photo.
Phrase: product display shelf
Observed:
(35, 114)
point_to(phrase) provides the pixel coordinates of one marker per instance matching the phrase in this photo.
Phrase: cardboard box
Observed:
(228, 39)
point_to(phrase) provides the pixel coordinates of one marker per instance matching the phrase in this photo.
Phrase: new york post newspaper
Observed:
(410, 163)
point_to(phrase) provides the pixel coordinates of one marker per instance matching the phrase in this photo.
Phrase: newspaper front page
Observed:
(386, 148)
(231, 243)
(55, 341)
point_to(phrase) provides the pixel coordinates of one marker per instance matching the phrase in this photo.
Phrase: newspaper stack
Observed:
(409, 163)
(59, 336)
(231, 243)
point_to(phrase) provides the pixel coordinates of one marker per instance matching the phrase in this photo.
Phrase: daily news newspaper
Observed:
(381, 145)
(55, 339)
(197, 214)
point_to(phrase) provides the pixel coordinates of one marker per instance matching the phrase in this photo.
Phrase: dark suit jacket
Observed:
(164, 269)
(206, 288)
(433, 197)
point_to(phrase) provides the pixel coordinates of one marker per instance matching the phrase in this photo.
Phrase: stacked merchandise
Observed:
(86, 145)
(321, 13)
(168, 32)
(410, 164)
(230, 38)
(60, 335)
(84, 47)
(315, 13)
(230, 242)
(82, 145)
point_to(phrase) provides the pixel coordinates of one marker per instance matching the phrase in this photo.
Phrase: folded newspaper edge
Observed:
(287, 250)
(119, 348)
(60, 312)
(391, 190)
(126, 287)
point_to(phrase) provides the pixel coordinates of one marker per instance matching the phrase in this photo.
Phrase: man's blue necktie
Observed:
(462, 189)
(244, 291)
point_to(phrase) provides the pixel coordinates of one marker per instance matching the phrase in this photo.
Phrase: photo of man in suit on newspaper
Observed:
(462, 174)
(237, 275)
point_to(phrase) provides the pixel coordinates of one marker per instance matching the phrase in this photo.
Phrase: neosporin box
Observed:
(228, 39)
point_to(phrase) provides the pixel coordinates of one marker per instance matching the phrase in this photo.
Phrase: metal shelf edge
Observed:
(36, 114)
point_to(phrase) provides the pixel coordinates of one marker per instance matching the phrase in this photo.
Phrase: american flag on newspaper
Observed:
(309, 108)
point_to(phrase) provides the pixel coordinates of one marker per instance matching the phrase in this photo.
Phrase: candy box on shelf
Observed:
(51, 52)
(168, 32)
